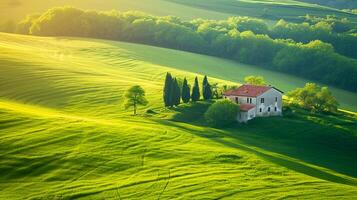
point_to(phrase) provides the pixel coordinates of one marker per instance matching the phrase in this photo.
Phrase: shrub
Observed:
(221, 113)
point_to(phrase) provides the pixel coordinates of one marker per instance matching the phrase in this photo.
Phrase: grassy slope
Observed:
(271, 9)
(344, 4)
(156, 7)
(187, 9)
(64, 133)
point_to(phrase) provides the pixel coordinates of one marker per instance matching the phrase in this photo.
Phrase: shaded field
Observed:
(64, 132)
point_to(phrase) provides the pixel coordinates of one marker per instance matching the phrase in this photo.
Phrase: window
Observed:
(275, 109)
(250, 100)
(260, 109)
(262, 100)
(236, 99)
(268, 109)
(276, 99)
(247, 100)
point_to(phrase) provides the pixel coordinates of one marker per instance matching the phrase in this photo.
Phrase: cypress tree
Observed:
(175, 93)
(178, 94)
(195, 91)
(207, 92)
(204, 82)
(185, 92)
(167, 90)
(206, 89)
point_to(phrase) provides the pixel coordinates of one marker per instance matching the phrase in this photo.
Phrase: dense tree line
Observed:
(286, 47)
(343, 43)
(173, 93)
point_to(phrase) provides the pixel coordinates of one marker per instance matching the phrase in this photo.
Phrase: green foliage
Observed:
(325, 29)
(195, 91)
(135, 96)
(176, 93)
(314, 98)
(186, 96)
(216, 91)
(172, 91)
(23, 27)
(239, 38)
(167, 90)
(255, 80)
(222, 113)
(206, 89)
(242, 24)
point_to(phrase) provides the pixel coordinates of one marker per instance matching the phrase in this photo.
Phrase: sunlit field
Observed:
(64, 132)
(187, 9)
(266, 9)
(11, 10)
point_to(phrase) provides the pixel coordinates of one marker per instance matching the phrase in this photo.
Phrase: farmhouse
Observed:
(256, 101)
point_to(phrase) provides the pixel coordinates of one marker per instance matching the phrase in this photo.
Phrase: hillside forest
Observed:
(311, 49)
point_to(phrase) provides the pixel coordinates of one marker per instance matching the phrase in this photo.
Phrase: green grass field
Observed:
(64, 133)
(267, 9)
(187, 9)
(9, 10)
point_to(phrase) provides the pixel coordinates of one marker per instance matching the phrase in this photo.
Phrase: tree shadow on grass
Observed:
(191, 113)
(298, 142)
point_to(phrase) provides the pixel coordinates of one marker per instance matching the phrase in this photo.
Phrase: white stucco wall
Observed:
(246, 116)
(269, 102)
(243, 100)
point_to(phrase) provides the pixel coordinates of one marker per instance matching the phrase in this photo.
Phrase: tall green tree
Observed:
(167, 90)
(206, 89)
(135, 96)
(204, 81)
(175, 93)
(195, 91)
(314, 98)
(185, 91)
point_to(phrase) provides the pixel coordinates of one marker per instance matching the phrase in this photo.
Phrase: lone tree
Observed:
(167, 90)
(195, 91)
(255, 80)
(185, 91)
(206, 89)
(314, 98)
(175, 93)
(135, 96)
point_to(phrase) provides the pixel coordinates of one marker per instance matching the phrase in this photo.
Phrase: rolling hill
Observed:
(272, 9)
(186, 9)
(340, 4)
(64, 132)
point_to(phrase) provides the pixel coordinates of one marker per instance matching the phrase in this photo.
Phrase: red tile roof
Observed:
(248, 91)
(246, 107)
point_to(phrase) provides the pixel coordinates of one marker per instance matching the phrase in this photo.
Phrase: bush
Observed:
(222, 113)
